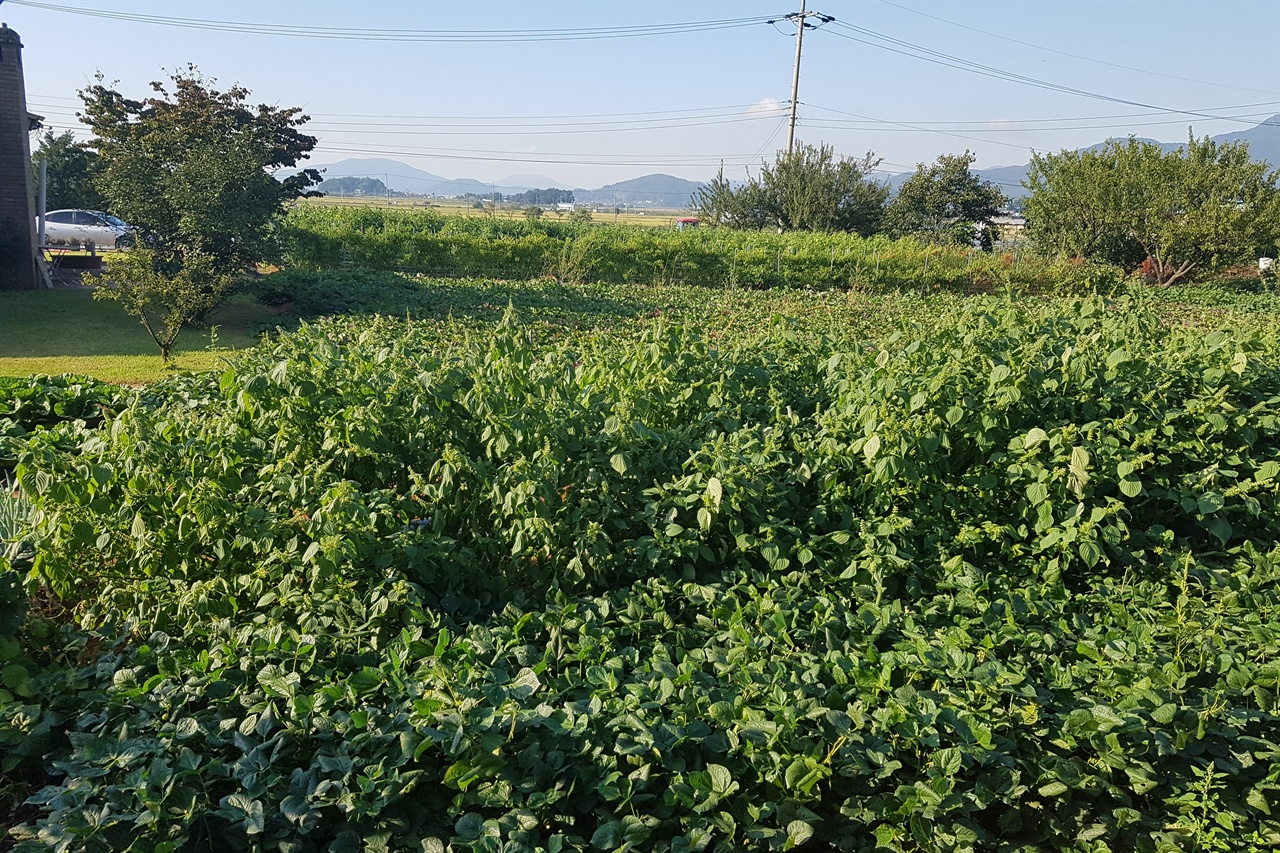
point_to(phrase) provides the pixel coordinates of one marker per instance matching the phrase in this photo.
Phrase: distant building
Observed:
(1009, 226)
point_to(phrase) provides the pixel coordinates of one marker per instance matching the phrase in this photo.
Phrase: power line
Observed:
(1272, 104)
(399, 35)
(540, 157)
(931, 130)
(543, 116)
(837, 123)
(752, 109)
(433, 130)
(38, 99)
(1071, 55)
(915, 51)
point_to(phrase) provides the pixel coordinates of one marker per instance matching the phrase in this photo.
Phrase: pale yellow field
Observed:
(459, 207)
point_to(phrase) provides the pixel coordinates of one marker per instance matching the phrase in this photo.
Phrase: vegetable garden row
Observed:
(911, 574)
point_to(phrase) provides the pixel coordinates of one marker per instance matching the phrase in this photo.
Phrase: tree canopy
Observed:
(944, 202)
(70, 170)
(191, 167)
(550, 196)
(345, 186)
(809, 189)
(1201, 207)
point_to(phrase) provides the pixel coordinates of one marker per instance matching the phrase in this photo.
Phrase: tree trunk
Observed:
(1166, 275)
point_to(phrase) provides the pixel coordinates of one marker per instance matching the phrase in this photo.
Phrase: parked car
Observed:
(84, 228)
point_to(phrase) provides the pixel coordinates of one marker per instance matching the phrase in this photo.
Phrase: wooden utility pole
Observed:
(799, 19)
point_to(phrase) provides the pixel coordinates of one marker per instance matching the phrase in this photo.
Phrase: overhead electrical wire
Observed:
(1072, 55)
(915, 51)
(559, 120)
(452, 129)
(1147, 113)
(400, 35)
(930, 130)
(420, 130)
(539, 157)
(838, 123)
(410, 119)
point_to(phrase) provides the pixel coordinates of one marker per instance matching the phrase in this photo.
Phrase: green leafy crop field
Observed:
(762, 572)
(431, 243)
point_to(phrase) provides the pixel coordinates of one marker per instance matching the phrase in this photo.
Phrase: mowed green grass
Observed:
(68, 331)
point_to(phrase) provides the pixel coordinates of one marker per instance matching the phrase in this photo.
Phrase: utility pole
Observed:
(799, 19)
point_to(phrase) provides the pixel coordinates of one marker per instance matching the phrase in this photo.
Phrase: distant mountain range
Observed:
(401, 177)
(646, 191)
(667, 191)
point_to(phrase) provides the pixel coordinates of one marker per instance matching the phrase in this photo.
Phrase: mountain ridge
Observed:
(661, 190)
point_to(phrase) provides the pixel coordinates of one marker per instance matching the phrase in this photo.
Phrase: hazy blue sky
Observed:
(589, 111)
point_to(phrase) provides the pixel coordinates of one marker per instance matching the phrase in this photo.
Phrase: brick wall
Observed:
(17, 210)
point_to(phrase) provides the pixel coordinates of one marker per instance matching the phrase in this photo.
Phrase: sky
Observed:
(596, 91)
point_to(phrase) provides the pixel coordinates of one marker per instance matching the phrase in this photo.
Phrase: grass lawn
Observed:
(67, 331)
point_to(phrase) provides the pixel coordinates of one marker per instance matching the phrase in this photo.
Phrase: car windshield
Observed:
(111, 220)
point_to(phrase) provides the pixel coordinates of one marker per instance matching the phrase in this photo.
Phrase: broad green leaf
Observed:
(1053, 789)
(1210, 502)
(608, 836)
(798, 832)
(715, 489)
(1220, 528)
(1034, 436)
(1078, 470)
(721, 780)
(947, 760)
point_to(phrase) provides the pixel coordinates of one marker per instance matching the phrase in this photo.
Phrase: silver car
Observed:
(85, 228)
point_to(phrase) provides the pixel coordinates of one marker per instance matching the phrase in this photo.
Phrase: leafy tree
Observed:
(809, 189)
(70, 170)
(532, 213)
(354, 186)
(719, 203)
(548, 196)
(1202, 207)
(164, 302)
(192, 168)
(945, 202)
